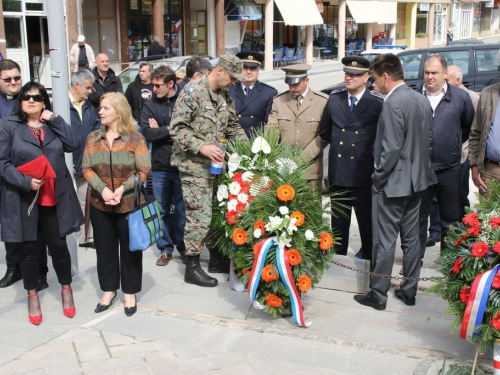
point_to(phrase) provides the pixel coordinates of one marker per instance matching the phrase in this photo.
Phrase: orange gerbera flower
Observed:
(325, 241)
(259, 224)
(273, 300)
(245, 272)
(239, 236)
(294, 257)
(256, 248)
(285, 193)
(299, 216)
(304, 283)
(269, 273)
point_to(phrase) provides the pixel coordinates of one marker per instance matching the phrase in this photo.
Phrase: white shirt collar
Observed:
(443, 90)
(358, 97)
(250, 87)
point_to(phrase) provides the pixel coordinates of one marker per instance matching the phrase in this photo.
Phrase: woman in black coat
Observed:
(31, 204)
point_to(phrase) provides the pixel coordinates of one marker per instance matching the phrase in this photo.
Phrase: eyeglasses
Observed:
(9, 79)
(158, 85)
(36, 98)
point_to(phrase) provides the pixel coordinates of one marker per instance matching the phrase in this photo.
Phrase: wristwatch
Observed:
(53, 117)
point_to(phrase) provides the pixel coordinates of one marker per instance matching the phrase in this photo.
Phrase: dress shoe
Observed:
(42, 283)
(410, 301)
(129, 311)
(71, 311)
(36, 319)
(88, 244)
(100, 308)
(195, 275)
(369, 300)
(431, 241)
(164, 259)
(10, 278)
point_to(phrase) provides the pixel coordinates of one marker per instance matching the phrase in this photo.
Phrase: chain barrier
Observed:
(384, 276)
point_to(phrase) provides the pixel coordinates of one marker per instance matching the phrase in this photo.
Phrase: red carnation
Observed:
(240, 206)
(494, 222)
(495, 323)
(464, 294)
(496, 281)
(231, 216)
(231, 197)
(238, 177)
(458, 264)
(462, 239)
(471, 220)
(479, 249)
(496, 247)
(245, 187)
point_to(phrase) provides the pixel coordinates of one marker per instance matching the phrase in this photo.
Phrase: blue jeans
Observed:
(167, 189)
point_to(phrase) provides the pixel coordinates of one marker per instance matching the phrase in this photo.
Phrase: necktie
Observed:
(299, 98)
(247, 91)
(353, 102)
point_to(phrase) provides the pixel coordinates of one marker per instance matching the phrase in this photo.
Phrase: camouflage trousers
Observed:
(198, 193)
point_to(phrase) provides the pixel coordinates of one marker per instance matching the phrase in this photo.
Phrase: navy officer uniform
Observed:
(252, 109)
(350, 129)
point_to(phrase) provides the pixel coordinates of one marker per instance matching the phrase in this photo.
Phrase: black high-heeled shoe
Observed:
(100, 308)
(129, 311)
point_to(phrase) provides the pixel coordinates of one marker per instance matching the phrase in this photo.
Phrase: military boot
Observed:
(195, 274)
(218, 263)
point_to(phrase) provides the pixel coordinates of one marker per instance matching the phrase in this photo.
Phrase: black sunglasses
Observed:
(9, 79)
(36, 98)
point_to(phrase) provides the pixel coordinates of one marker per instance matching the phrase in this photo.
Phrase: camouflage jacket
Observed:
(200, 116)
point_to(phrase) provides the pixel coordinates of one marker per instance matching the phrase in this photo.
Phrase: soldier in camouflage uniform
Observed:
(203, 112)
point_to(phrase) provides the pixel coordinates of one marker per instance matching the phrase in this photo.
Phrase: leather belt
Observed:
(492, 162)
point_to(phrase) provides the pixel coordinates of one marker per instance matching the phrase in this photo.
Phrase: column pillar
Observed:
(269, 31)
(430, 24)
(342, 16)
(411, 11)
(3, 45)
(220, 23)
(158, 26)
(369, 35)
(309, 44)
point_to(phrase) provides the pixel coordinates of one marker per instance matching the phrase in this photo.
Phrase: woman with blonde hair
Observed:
(112, 156)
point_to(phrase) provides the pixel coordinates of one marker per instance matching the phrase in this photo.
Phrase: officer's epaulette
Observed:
(321, 94)
(283, 93)
(377, 94)
(337, 91)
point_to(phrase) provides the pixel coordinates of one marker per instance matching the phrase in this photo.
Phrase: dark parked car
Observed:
(479, 64)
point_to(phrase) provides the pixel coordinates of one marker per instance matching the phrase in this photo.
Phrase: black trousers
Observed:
(29, 251)
(362, 204)
(448, 195)
(12, 256)
(115, 262)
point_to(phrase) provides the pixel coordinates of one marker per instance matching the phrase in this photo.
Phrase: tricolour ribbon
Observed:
(258, 264)
(287, 278)
(474, 311)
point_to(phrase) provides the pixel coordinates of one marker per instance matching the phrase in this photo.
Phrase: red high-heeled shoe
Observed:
(36, 320)
(68, 312)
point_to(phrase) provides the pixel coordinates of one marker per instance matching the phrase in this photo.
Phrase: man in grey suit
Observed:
(403, 169)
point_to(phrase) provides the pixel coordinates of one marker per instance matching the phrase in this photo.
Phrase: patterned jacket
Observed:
(115, 167)
(200, 116)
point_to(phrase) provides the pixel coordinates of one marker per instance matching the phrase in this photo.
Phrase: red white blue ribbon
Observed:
(474, 311)
(258, 264)
(287, 278)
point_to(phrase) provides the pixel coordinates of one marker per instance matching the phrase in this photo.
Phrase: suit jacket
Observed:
(482, 124)
(351, 136)
(300, 127)
(253, 112)
(403, 145)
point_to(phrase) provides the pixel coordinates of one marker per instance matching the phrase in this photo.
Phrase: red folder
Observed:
(38, 168)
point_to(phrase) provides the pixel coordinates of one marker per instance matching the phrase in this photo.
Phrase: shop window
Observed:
(99, 27)
(421, 22)
(440, 24)
(401, 21)
(198, 24)
(11, 6)
(15, 36)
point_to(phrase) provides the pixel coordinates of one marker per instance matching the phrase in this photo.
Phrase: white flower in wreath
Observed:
(234, 188)
(290, 228)
(257, 233)
(286, 165)
(247, 176)
(284, 210)
(222, 193)
(309, 235)
(243, 198)
(231, 205)
(284, 241)
(274, 223)
(260, 144)
(234, 162)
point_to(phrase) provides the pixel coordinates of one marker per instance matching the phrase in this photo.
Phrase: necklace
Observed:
(42, 126)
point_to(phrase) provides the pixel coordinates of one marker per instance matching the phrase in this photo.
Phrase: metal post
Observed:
(268, 38)
(59, 73)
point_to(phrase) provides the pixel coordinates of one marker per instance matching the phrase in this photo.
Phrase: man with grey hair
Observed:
(83, 122)
(156, 48)
(140, 91)
(197, 67)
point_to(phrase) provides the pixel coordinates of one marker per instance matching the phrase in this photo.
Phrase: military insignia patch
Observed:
(354, 63)
(189, 89)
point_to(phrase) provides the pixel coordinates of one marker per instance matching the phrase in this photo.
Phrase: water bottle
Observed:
(216, 167)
